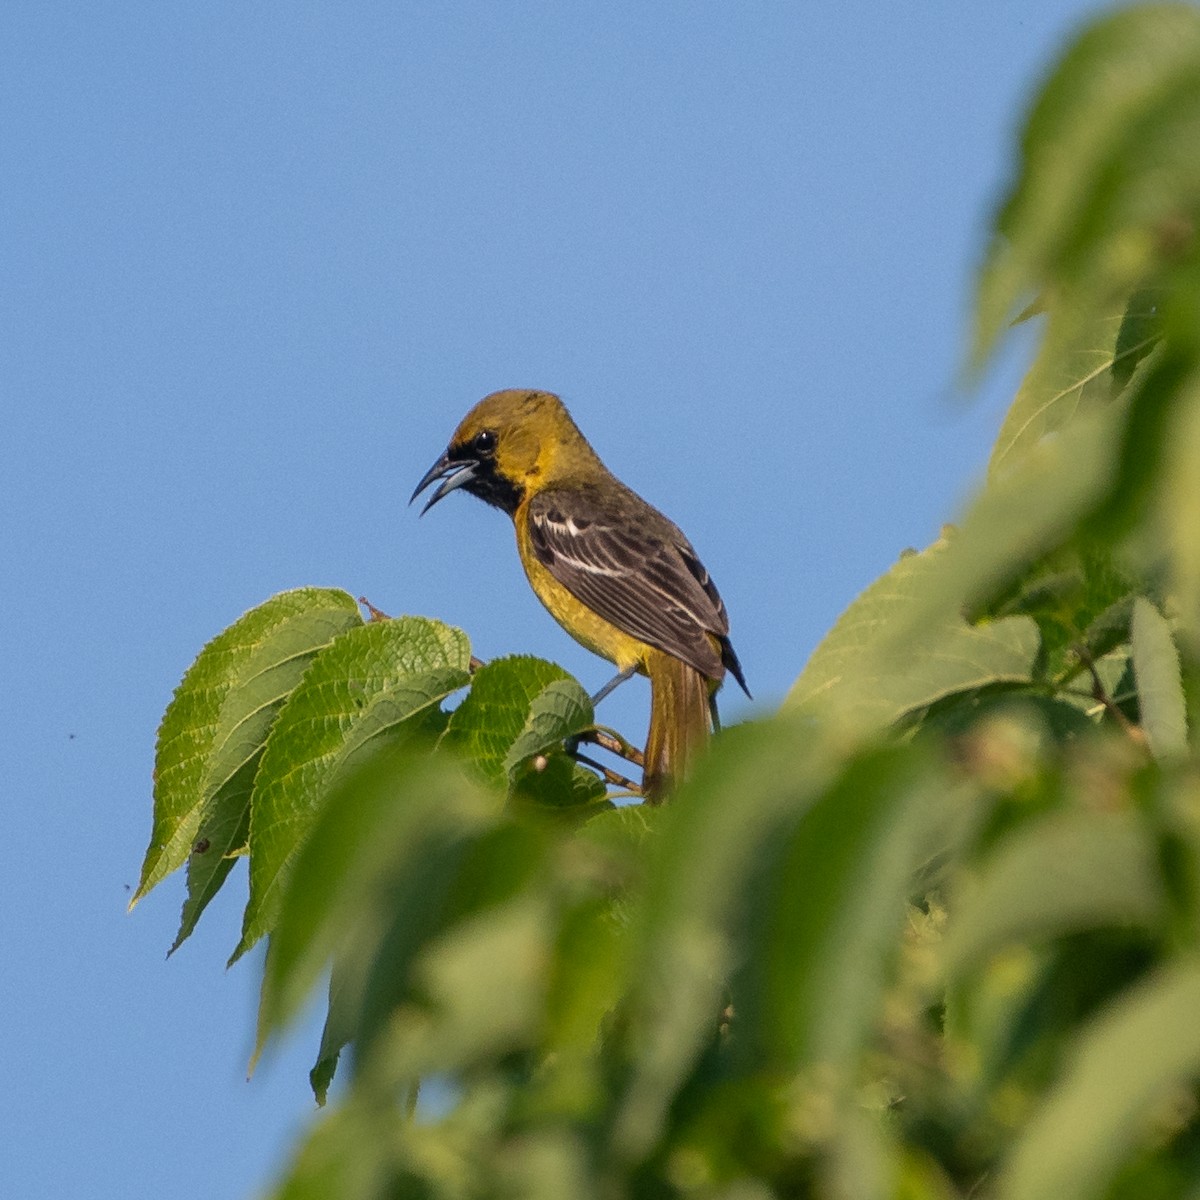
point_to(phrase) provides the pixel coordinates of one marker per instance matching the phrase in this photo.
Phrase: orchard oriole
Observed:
(613, 571)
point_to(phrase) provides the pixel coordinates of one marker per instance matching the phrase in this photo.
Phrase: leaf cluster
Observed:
(300, 693)
(930, 931)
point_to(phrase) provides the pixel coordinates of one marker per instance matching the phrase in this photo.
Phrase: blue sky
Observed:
(255, 263)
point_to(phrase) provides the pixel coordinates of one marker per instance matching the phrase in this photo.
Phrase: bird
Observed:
(616, 574)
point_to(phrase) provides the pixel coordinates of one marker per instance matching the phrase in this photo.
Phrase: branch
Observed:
(609, 776)
(613, 742)
(1136, 734)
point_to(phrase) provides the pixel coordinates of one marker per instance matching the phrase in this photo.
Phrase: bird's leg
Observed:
(712, 712)
(607, 739)
(572, 744)
(614, 683)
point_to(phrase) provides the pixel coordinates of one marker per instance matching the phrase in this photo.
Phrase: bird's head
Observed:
(510, 444)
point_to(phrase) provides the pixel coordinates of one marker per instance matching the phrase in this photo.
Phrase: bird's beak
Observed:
(453, 474)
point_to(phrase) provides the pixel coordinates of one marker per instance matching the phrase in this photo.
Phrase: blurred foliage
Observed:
(932, 931)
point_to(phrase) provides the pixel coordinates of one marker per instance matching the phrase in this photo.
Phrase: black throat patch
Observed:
(488, 485)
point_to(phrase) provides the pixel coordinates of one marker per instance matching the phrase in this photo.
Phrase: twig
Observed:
(613, 742)
(609, 776)
(1136, 734)
(373, 613)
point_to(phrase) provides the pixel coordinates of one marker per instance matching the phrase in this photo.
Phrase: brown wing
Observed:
(630, 565)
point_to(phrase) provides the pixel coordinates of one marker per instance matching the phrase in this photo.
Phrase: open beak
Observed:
(453, 474)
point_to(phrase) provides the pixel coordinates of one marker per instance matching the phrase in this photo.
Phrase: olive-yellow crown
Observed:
(528, 436)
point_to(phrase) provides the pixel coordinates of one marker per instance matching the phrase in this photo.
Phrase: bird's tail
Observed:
(679, 723)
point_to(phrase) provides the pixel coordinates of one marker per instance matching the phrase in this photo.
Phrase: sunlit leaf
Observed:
(374, 682)
(552, 1164)
(856, 675)
(217, 722)
(586, 976)
(1081, 598)
(897, 654)
(624, 832)
(1082, 363)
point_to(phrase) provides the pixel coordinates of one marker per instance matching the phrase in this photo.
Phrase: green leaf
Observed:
(553, 1163)
(834, 908)
(374, 682)
(1159, 683)
(559, 711)
(1128, 1060)
(1108, 162)
(351, 1154)
(1082, 363)
(217, 722)
(1033, 509)
(904, 644)
(1062, 873)
(551, 780)
(1082, 601)
(586, 975)
(1153, 399)
(1179, 507)
(481, 985)
(1140, 333)
(514, 708)
(220, 841)
(624, 832)
(601, 867)
(561, 787)
(436, 917)
(879, 662)
(387, 845)
(341, 1015)
(687, 921)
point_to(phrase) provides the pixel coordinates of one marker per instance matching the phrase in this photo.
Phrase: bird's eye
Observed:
(485, 442)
